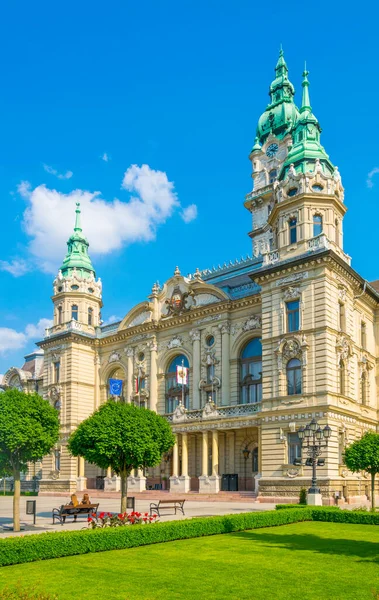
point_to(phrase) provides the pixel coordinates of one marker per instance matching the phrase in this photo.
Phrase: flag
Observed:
(115, 387)
(137, 385)
(181, 375)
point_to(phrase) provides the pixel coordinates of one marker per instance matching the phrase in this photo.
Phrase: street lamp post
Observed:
(314, 440)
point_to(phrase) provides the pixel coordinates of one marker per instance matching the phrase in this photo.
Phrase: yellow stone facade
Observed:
(234, 421)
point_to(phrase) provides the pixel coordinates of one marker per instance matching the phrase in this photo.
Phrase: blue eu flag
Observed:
(115, 387)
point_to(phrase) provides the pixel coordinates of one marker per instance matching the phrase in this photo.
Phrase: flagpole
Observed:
(183, 382)
(139, 386)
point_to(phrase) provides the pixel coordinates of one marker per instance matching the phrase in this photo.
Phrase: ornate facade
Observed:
(271, 341)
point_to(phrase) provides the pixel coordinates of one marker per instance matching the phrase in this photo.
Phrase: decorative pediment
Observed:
(142, 313)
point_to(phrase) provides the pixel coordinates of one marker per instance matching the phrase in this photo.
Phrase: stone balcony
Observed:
(212, 412)
(70, 326)
(315, 244)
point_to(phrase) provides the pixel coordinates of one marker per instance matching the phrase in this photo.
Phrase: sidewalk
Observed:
(45, 505)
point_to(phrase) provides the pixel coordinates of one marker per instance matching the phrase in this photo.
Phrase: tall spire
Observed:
(77, 252)
(281, 114)
(305, 104)
(78, 226)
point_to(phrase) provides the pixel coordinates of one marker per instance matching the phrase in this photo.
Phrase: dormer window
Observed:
(317, 187)
(292, 226)
(74, 287)
(292, 192)
(317, 225)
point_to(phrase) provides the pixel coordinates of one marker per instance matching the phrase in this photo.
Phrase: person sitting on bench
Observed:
(85, 500)
(74, 500)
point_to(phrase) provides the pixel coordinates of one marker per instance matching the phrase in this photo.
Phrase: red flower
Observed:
(120, 516)
(90, 520)
(102, 515)
(146, 514)
(93, 515)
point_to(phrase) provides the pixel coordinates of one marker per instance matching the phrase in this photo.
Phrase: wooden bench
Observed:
(60, 514)
(167, 504)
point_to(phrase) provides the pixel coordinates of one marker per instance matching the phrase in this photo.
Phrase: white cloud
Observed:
(10, 339)
(105, 157)
(16, 267)
(54, 172)
(189, 213)
(24, 189)
(370, 175)
(50, 214)
(112, 319)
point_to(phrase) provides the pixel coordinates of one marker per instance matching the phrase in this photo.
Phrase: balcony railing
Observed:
(211, 411)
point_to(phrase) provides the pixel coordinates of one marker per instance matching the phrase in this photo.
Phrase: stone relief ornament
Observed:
(291, 349)
(177, 304)
(291, 293)
(210, 411)
(291, 473)
(129, 352)
(55, 392)
(342, 293)
(175, 342)
(195, 335)
(114, 357)
(343, 348)
(209, 358)
(253, 322)
(179, 414)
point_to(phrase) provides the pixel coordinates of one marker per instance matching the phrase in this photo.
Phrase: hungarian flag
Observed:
(181, 375)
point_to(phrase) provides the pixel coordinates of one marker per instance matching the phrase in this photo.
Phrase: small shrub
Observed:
(359, 509)
(346, 516)
(303, 496)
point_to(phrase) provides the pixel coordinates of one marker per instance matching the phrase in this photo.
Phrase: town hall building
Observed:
(271, 341)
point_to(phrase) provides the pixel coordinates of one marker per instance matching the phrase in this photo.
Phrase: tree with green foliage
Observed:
(123, 437)
(363, 455)
(29, 429)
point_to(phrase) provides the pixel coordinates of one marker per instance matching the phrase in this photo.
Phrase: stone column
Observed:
(81, 479)
(214, 479)
(174, 479)
(225, 364)
(129, 381)
(137, 483)
(204, 484)
(259, 474)
(153, 375)
(183, 484)
(196, 373)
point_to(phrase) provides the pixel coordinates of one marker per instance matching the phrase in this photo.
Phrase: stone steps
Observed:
(164, 494)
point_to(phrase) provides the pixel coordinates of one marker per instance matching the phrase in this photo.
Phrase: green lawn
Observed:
(308, 560)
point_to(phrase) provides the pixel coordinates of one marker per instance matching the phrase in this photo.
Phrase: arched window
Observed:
(90, 316)
(292, 227)
(294, 377)
(251, 372)
(117, 390)
(74, 312)
(317, 225)
(272, 175)
(364, 388)
(59, 315)
(341, 377)
(174, 390)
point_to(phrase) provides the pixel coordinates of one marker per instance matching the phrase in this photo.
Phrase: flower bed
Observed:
(109, 519)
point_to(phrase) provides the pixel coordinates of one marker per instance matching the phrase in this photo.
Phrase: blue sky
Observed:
(179, 87)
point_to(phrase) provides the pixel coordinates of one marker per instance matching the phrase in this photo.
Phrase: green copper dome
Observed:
(281, 115)
(77, 252)
(306, 148)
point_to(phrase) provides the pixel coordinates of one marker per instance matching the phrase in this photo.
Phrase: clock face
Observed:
(272, 150)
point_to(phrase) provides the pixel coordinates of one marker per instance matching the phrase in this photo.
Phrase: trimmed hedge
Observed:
(16, 550)
(346, 516)
(300, 506)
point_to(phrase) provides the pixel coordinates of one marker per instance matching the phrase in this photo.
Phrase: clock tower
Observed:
(272, 142)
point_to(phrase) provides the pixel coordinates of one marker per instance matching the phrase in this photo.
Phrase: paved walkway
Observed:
(45, 505)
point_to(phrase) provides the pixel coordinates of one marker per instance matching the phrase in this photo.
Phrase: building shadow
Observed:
(368, 551)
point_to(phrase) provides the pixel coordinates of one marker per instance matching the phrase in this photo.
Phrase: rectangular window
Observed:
(59, 315)
(363, 335)
(74, 312)
(341, 316)
(294, 447)
(293, 315)
(57, 369)
(292, 225)
(317, 225)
